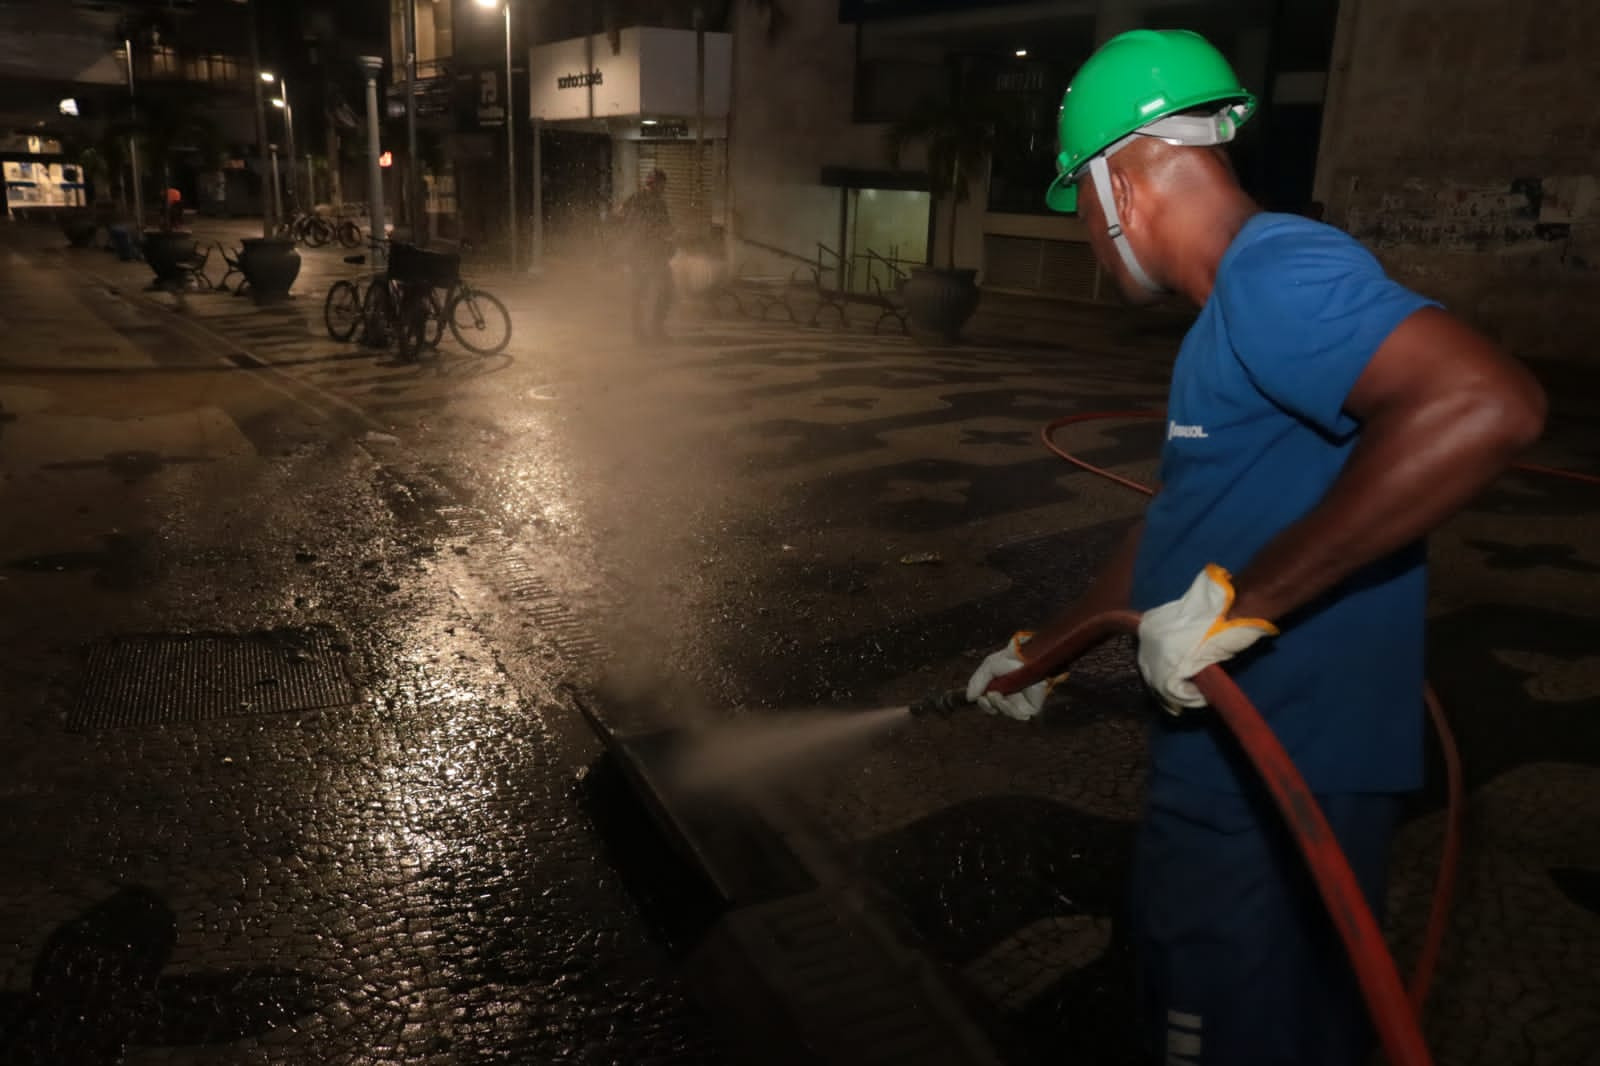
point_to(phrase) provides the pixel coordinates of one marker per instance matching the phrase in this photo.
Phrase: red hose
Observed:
(1392, 1012)
(1556, 471)
(1395, 1011)
(1449, 859)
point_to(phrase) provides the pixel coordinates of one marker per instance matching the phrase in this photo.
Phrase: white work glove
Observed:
(1179, 639)
(1019, 705)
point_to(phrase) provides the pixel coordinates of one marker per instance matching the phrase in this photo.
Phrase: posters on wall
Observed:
(43, 185)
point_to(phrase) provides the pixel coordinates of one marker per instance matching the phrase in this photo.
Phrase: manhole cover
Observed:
(142, 680)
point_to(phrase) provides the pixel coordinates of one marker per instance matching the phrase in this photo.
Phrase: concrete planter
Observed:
(939, 302)
(79, 228)
(164, 250)
(270, 265)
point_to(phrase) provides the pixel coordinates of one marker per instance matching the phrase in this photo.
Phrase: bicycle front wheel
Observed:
(319, 231)
(341, 311)
(349, 234)
(413, 332)
(479, 322)
(379, 315)
(435, 331)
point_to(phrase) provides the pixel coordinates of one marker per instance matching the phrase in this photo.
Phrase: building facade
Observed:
(1463, 147)
(83, 74)
(811, 174)
(596, 94)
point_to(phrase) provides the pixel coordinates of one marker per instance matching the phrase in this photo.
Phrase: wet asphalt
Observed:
(291, 770)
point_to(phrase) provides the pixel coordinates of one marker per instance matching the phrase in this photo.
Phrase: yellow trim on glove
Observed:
(1224, 580)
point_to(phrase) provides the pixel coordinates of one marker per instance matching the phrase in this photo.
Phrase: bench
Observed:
(889, 299)
(753, 296)
(232, 264)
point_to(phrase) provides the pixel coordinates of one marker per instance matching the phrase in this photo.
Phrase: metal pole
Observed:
(277, 191)
(372, 65)
(511, 146)
(538, 194)
(261, 119)
(288, 138)
(133, 146)
(414, 211)
(696, 192)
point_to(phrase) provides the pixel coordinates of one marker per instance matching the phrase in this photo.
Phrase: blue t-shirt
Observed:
(1256, 434)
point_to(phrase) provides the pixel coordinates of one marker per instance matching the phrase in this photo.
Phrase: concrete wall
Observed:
(1461, 145)
(792, 112)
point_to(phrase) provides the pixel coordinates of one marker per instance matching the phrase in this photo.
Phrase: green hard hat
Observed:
(1133, 80)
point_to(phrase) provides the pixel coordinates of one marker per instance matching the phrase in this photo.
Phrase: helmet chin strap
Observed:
(1218, 127)
(1101, 172)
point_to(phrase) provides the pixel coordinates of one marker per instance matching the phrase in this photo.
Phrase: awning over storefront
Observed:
(651, 73)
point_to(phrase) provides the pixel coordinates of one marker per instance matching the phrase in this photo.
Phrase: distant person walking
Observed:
(647, 239)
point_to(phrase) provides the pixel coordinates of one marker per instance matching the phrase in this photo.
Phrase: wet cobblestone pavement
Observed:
(749, 518)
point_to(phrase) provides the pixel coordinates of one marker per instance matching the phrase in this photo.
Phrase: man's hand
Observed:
(1019, 705)
(1179, 639)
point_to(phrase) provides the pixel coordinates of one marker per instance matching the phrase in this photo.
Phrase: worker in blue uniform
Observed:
(1322, 419)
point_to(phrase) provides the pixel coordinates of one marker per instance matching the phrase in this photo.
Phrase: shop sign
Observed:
(581, 81)
(491, 99)
(481, 99)
(664, 128)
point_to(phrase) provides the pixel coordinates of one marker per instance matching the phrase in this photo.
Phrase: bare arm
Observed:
(1444, 411)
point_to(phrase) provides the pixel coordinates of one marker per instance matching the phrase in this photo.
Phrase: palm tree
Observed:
(959, 137)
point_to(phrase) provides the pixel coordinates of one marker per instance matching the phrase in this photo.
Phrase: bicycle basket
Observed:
(409, 264)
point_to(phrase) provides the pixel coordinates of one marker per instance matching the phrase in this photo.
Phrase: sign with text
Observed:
(481, 98)
(650, 72)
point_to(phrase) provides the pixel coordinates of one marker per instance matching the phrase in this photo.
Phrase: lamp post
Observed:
(282, 103)
(277, 204)
(415, 209)
(133, 144)
(372, 66)
(261, 118)
(511, 133)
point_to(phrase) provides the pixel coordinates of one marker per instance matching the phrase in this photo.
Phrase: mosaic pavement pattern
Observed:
(755, 518)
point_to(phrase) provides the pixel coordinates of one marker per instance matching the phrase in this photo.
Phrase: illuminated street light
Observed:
(1022, 53)
(282, 103)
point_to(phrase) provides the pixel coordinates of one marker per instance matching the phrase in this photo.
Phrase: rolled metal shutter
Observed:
(676, 158)
(1065, 269)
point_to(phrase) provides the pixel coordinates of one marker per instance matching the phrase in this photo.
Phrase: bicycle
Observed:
(348, 233)
(410, 303)
(310, 229)
(478, 320)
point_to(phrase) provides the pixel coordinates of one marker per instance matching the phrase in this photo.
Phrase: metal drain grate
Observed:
(144, 680)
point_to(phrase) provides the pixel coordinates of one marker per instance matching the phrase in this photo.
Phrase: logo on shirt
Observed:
(1189, 432)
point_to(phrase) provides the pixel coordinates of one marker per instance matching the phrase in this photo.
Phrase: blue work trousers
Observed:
(1239, 964)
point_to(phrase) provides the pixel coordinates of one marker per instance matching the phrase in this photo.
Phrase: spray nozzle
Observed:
(941, 703)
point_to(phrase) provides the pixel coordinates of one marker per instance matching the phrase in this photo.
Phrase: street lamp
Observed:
(372, 66)
(282, 103)
(511, 131)
(133, 143)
